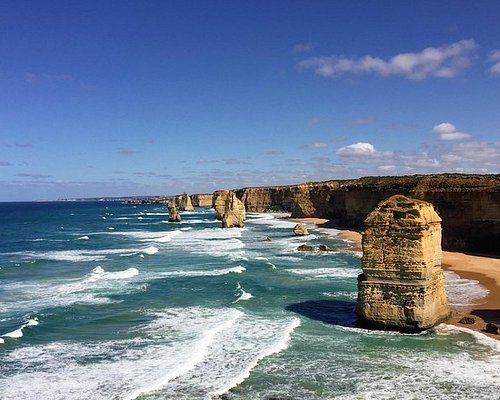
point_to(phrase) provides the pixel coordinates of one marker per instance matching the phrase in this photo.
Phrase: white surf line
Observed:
(17, 333)
(278, 348)
(199, 352)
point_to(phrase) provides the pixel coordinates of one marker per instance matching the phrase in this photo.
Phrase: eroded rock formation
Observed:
(202, 200)
(402, 284)
(234, 213)
(184, 202)
(219, 202)
(468, 204)
(173, 214)
(300, 230)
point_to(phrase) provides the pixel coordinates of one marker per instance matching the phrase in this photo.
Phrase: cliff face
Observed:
(184, 202)
(469, 205)
(402, 284)
(202, 200)
(234, 212)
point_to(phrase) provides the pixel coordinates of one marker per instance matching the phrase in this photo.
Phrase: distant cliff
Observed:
(202, 200)
(468, 204)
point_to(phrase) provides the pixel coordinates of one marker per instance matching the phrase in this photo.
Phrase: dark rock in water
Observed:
(491, 328)
(300, 230)
(268, 239)
(305, 247)
(467, 321)
(324, 247)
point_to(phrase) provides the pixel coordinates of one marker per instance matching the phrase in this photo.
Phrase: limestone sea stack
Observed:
(234, 213)
(173, 214)
(402, 284)
(184, 202)
(201, 200)
(300, 230)
(219, 202)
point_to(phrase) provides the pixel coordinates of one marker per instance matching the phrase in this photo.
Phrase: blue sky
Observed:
(114, 98)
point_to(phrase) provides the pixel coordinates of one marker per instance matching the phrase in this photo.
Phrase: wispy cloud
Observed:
(33, 77)
(495, 59)
(34, 176)
(313, 146)
(442, 62)
(206, 161)
(5, 164)
(274, 152)
(303, 48)
(126, 152)
(234, 161)
(363, 121)
(447, 131)
(313, 121)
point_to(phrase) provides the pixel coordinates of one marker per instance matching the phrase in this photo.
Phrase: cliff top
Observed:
(402, 211)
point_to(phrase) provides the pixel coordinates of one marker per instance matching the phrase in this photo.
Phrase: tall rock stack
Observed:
(234, 213)
(219, 202)
(184, 202)
(402, 284)
(173, 214)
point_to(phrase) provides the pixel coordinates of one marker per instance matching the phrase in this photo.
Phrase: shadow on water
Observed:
(334, 312)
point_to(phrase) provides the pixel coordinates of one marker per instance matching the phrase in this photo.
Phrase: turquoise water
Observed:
(110, 301)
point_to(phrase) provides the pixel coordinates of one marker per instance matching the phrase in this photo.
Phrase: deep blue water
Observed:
(110, 301)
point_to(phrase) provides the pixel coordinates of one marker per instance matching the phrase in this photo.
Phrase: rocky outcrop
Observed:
(219, 202)
(468, 204)
(300, 230)
(173, 214)
(202, 200)
(402, 284)
(234, 213)
(184, 202)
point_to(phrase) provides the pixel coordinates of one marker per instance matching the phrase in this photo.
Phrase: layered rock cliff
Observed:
(202, 200)
(234, 212)
(402, 285)
(468, 204)
(219, 202)
(184, 202)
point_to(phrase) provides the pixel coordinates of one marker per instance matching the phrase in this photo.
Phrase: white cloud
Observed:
(313, 121)
(357, 149)
(37, 77)
(495, 59)
(443, 62)
(314, 146)
(448, 131)
(303, 48)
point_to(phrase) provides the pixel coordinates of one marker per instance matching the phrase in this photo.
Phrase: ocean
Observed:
(105, 300)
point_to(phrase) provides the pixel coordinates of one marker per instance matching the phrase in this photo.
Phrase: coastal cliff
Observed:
(202, 200)
(469, 205)
(402, 284)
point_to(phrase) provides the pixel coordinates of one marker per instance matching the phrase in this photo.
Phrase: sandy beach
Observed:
(485, 270)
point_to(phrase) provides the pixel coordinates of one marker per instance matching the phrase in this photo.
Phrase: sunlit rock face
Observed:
(184, 202)
(219, 202)
(402, 284)
(202, 200)
(173, 214)
(234, 213)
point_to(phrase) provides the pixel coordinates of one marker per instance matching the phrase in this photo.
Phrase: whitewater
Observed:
(105, 300)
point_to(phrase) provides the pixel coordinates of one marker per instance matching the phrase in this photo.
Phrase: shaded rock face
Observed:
(402, 284)
(300, 230)
(234, 213)
(184, 202)
(202, 200)
(173, 214)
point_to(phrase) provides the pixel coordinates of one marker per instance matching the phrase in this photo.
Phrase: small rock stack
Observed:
(173, 214)
(402, 284)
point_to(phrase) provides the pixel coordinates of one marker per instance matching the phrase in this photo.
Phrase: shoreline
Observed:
(483, 269)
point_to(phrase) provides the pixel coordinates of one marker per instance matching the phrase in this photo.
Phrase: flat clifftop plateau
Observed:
(469, 205)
